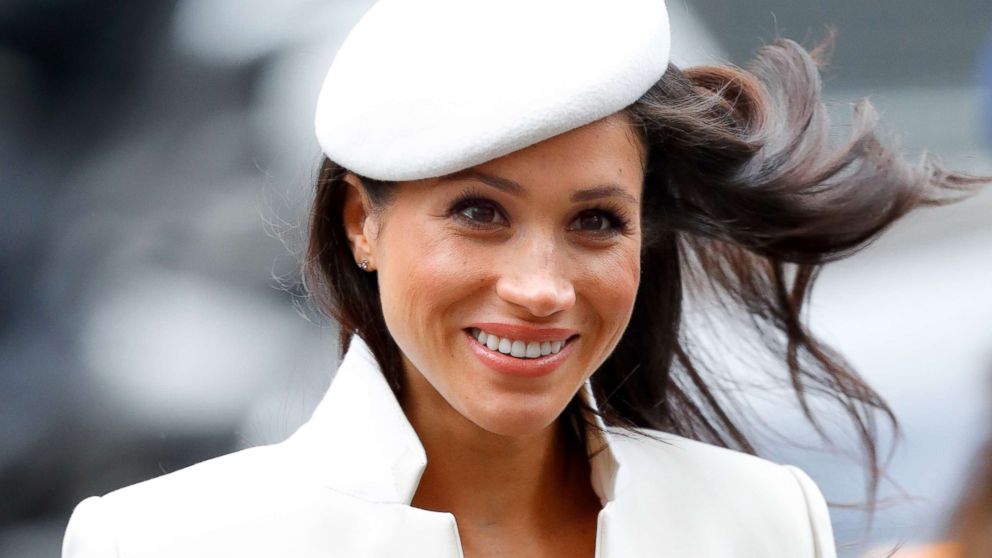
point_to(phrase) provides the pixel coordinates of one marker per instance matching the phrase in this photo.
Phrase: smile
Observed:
(520, 351)
(517, 348)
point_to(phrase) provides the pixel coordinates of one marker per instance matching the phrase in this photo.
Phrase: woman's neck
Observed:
(491, 483)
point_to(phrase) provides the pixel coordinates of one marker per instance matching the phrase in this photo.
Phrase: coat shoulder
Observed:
(242, 497)
(658, 451)
(260, 465)
(743, 500)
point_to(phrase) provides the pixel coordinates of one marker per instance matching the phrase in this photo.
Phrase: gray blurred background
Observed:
(156, 161)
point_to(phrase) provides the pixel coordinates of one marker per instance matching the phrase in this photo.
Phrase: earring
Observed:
(363, 264)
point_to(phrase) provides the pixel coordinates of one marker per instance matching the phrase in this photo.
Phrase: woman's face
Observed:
(538, 250)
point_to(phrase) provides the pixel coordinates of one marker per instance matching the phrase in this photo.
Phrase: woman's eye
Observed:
(592, 221)
(481, 213)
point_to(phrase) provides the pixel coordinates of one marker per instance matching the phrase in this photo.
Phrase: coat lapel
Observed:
(358, 441)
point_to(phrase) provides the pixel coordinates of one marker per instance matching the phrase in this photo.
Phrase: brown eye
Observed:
(592, 221)
(478, 213)
(481, 213)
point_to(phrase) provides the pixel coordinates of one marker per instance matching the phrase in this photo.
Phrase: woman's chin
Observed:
(513, 419)
(514, 429)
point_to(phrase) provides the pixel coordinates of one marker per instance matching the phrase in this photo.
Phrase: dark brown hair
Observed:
(744, 199)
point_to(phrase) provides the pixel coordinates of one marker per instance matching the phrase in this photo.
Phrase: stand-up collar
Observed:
(359, 441)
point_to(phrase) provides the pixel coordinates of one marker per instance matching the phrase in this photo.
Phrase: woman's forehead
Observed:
(606, 150)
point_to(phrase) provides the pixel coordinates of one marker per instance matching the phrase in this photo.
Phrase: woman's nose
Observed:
(536, 282)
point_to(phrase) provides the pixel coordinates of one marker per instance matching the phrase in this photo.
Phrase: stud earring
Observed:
(363, 264)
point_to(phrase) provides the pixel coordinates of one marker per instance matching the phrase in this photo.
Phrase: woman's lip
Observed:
(525, 333)
(521, 367)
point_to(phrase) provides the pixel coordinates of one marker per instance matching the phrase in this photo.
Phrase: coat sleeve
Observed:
(90, 533)
(819, 517)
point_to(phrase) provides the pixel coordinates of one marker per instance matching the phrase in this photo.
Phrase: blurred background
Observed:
(156, 162)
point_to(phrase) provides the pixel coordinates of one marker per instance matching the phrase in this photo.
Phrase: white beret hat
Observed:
(425, 88)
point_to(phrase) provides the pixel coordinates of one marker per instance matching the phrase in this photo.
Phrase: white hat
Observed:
(425, 88)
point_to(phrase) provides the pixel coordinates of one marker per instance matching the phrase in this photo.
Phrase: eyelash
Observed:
(613, 213)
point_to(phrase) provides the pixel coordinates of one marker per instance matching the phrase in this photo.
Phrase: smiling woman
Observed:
(518, 253)
(504, 232)
(477, 273)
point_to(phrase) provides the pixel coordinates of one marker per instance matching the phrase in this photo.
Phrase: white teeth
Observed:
(515, 347)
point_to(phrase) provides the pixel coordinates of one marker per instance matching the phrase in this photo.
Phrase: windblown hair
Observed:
(743, 194)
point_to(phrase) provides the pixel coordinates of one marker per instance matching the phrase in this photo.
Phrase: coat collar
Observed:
(359, 441)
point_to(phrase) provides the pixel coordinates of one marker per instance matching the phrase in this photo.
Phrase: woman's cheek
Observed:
(615, 273)
(429, 269)
(610, 282)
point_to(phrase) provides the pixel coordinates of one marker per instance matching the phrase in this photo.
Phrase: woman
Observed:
(969, 533)
(514, 197)
(970, 529)
(972, 524)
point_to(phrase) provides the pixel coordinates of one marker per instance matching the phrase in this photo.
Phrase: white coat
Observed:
(341, 486)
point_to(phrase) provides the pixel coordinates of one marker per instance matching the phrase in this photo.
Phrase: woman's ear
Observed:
(358, 224)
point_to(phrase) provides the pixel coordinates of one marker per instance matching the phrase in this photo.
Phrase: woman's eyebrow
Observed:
(511, 187)
(500, 183)
(599, 192)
